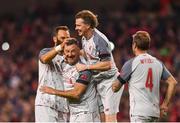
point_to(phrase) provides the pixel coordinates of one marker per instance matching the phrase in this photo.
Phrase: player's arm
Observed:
(117, 84)
(104, 51)
(170, 90)
(124, 76)
(75, 93)
(170, 80)
(46, 57)
(105, 58)
(100, 66)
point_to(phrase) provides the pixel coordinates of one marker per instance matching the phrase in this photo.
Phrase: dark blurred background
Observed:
(26, 25)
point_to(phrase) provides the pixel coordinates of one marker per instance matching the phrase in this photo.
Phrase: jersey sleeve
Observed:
(84, 77)
(126, 71)
(44, 51)
(165, 73)
(103, 49)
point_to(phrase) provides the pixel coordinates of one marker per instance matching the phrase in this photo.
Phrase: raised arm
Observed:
(48, 56)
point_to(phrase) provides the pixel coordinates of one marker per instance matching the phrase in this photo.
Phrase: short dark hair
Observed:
(56, 29)
(89, 18)
(72, 41)
(142, 40)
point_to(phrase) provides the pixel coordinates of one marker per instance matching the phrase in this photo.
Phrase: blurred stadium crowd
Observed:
(29, 32)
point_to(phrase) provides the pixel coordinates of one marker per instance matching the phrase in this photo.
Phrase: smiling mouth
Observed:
(79, 31)
(71, 58)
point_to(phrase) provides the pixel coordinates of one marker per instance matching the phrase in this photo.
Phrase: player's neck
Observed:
(139, 52)
(89, 34)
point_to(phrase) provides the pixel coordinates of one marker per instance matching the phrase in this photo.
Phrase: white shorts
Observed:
(100, 105)
(48, 114)
(109, 99)
(85, 117)
(142, 119)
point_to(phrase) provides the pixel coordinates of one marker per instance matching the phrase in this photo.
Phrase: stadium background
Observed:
(27, 25)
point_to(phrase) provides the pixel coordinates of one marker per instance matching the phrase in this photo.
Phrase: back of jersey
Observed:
(144, 85)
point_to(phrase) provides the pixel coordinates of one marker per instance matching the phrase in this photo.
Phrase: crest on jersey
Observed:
(84, 77)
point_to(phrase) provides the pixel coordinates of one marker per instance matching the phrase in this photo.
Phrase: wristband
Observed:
(58, 48)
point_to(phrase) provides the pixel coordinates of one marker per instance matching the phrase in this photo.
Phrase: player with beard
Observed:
(79, 86)
(51, 108)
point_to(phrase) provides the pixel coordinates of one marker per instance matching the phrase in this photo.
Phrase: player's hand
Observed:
(64, 43)
(81, 67)
(116, 86)
(47, 90)
(163, 110)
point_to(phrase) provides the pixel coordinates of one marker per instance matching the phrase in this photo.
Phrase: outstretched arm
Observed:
(104, 54)
(100, 66)
(75, 93)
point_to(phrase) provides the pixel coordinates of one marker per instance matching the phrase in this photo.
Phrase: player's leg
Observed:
(136, 118)
(109, 99)
(96, 117)
(112, 104)
(101, 108)
(45, 114)
(85, 117)
(63, 117)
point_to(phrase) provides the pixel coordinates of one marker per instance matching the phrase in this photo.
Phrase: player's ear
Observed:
(54, 39)
(88, 26)
(135, 46)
